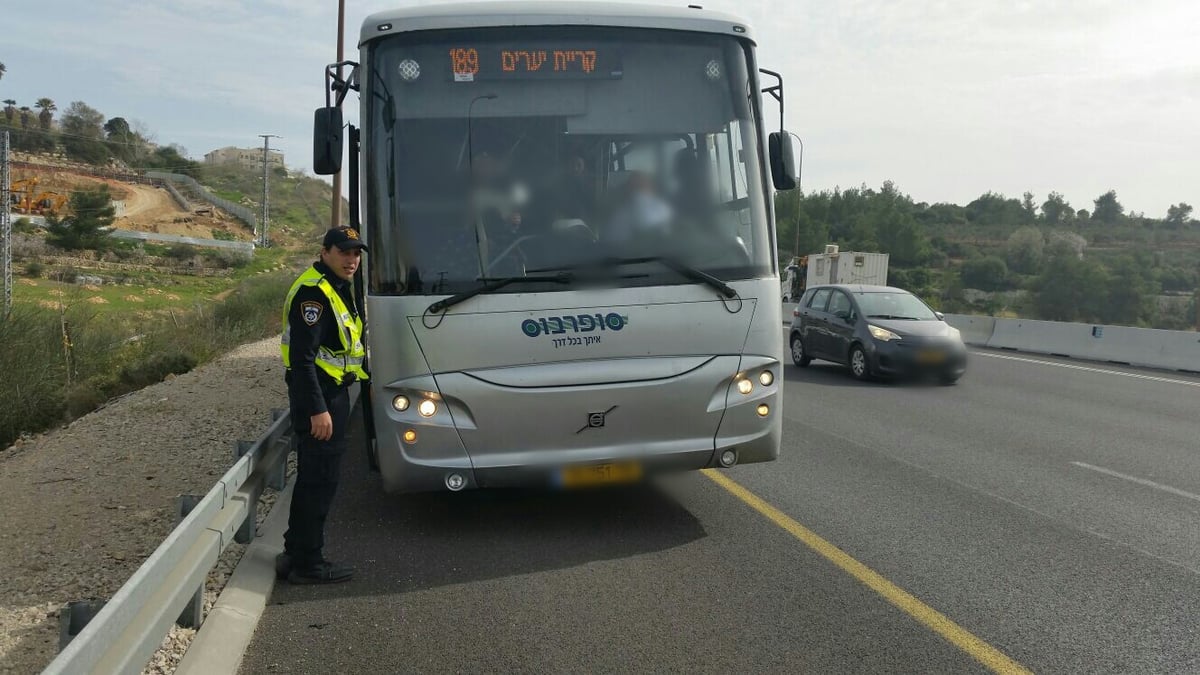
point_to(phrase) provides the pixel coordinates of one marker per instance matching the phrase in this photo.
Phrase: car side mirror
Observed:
(783, 161)
(940, 316)
(844, 314)
(327, 141)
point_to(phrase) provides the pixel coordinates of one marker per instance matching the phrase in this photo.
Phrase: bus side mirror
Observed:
(783, 161)
(327, 141)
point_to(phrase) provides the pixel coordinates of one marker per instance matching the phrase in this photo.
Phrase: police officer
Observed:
(323, 354)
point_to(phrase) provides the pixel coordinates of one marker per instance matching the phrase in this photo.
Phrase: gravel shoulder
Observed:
(83, 506)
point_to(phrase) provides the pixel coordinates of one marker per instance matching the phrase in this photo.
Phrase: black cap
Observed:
(344, 238)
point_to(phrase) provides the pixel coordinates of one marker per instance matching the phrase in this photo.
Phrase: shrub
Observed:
(227, 259)
(986, 274)
(40, 391)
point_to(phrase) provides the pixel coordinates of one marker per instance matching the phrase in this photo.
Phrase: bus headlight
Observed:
(400, 403)
(427, 408)
(766, 378)
(745, 386)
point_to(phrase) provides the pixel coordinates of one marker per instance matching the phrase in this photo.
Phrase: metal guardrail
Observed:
(169, 586)
(240, 212)
(243, 246)
(179, 199)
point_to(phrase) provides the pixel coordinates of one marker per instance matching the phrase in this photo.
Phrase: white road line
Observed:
(1140, 481)
(1090, 370)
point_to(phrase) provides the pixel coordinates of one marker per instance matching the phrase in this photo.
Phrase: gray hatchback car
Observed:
(876, 331)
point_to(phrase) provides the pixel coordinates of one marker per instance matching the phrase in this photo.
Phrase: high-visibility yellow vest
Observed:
(337, 364)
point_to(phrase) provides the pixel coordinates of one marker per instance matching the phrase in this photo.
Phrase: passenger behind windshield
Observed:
(642, 216)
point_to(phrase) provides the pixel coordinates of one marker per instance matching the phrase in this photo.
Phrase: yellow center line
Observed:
(903, 600)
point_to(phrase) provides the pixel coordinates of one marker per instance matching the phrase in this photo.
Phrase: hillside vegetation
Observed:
(95, 317)
(1014, 257)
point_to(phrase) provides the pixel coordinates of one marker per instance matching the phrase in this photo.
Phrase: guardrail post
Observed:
(246, 531)
(277, 479)
(73, 617)
(193, 614)
(185, 505)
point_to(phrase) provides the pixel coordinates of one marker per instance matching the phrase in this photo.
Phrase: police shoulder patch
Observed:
(311, 311)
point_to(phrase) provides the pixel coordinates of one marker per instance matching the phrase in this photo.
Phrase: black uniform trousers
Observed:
(317, 472)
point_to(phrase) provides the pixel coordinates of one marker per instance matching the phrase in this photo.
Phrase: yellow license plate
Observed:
(931, 357)
(599, 474)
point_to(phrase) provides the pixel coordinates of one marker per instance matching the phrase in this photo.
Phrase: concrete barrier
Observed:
(1146, 347)
(1173, 350)
(976, 330)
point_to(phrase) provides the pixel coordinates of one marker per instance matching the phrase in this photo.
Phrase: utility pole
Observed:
(336, 211)
(799, 194)
(266, 203)
(6, 226)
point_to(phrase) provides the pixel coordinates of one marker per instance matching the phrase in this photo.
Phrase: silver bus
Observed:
(572, 275)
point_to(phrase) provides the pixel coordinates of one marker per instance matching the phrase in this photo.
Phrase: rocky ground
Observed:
(83, 506)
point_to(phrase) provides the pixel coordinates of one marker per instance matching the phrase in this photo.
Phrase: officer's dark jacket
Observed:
(307, 383)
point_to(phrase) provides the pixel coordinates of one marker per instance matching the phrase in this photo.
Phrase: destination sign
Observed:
(513, 62)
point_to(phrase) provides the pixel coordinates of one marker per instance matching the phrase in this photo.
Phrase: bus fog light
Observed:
(766, 378)
(400, 403)
(763, 410)
(427, 408)
(728, 458)
(456, 482)
(410, 437)
(745, 386)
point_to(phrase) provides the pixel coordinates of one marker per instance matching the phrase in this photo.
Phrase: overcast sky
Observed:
(947, 99)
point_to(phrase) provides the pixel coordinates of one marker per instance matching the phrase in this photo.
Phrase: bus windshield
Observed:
(490, 153)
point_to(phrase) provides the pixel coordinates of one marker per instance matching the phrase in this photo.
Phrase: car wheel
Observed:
(798, 356)
(947, 380)
(860, 367)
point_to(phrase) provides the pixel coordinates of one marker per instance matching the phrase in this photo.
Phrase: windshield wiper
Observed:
(686, 270)
(490, 285)
(893, 317)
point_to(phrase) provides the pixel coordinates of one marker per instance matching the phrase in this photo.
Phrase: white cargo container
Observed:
(847, 267)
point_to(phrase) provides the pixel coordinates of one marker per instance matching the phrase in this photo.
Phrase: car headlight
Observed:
(883, 334)
(955, 334)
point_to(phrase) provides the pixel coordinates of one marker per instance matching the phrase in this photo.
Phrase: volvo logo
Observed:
(596, 420)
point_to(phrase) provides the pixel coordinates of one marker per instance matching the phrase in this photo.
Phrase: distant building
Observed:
(250, 158)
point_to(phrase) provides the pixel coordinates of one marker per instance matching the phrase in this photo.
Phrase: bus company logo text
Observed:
(578, 323)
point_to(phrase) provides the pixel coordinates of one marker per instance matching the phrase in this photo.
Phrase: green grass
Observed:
(120, 346)
(230, 195)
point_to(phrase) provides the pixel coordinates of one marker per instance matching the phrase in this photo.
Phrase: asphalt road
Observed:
(1042, 511)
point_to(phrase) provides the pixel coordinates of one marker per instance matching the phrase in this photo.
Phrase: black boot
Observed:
(321, 572)
(283, 566)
